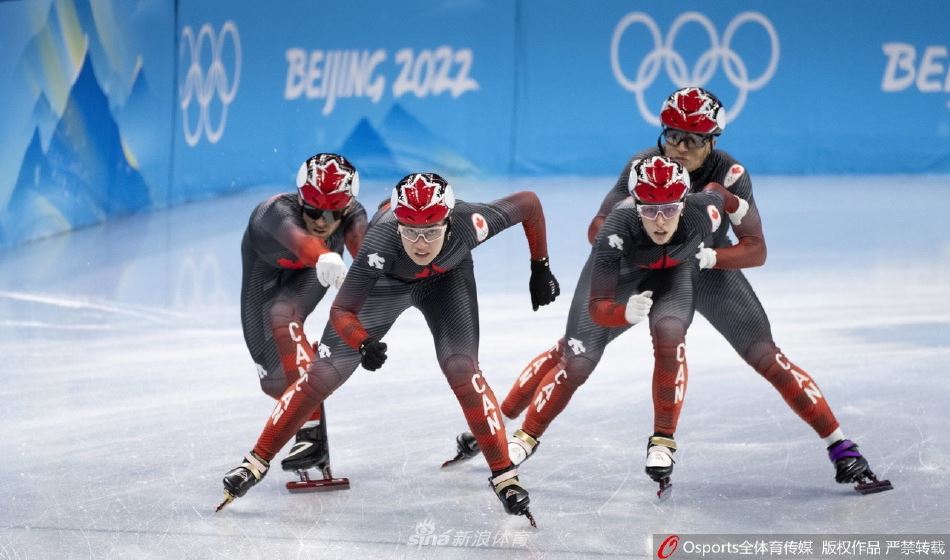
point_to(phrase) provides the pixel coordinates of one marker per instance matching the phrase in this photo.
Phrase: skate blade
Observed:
(327, 483)
(874, 487)
(665, 491)
(527, 513)
(460, 458)
(323, 485)
(228, 498)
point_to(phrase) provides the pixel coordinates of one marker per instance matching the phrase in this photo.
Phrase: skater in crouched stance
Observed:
(292, 255)
(416, 253)
(642, 267)
(693, 120)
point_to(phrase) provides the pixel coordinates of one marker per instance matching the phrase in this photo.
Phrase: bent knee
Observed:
(282, 313)
(323, 378)
(762, 355)
(458, 369)
(274, 385)
(669, 333)
(577, 370)
(669, 329)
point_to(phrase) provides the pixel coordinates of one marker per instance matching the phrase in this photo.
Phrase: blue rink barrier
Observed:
(115, 107)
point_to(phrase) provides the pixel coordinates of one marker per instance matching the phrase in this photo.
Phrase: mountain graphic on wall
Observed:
(370, 154)
(44, 119)
(83, 174)
(401, 145)
(51, 59)
(138, 103)
(418, 148)
(134, 117)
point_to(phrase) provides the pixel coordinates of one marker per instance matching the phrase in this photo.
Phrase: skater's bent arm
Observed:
(619, 192)
(750, 251)
(346, 307)
(353, 236)
(607, 254)
(532, 220)
(355, 290)
(308, 248)
(604, 310)
(519, 208)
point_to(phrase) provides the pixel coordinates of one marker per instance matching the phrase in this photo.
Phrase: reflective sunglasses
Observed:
(689, 140)
(651, 211)
(430, 234)
(329, 216)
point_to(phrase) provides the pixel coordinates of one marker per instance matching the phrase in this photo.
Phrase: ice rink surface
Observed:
(127, 393)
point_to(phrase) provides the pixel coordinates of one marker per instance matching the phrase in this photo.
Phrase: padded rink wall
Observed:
(110, 107)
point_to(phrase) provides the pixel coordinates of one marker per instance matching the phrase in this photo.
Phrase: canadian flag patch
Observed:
(481, 227)
(733, 175)
(714, 217)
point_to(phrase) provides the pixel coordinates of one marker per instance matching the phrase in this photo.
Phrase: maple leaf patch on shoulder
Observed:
(481, 227)
(714, 217)
(735, 172)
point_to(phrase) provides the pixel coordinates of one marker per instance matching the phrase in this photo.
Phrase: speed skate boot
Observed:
(852, 467)
(521, 446)
(311, 451)
(512, 495)
(240, 479)
(466, 447)
(660, 463)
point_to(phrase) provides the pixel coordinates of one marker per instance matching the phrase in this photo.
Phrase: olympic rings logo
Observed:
(203, 86)
(664, 55)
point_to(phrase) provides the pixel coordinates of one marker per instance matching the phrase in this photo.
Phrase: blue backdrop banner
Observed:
(110, 107)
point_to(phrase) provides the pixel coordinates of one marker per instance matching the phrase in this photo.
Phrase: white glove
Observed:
(736, 217)
(706, 255)
(638, 307)
(331, 270)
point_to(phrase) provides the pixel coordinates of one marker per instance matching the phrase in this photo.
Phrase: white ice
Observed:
(126, 392)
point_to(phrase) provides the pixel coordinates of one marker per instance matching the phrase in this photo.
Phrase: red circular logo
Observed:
(668, 547)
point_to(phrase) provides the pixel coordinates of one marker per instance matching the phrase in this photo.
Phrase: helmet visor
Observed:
(329, 216)
(430, 234)
(651, 211)
(689, 140)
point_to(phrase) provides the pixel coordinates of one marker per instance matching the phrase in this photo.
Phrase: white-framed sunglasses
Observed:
(651, 211)
(429, 233)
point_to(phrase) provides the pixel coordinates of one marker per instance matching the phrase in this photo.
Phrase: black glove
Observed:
(373, 354)
(543, 285)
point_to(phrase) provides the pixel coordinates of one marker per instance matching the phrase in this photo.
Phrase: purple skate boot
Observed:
(851, 466)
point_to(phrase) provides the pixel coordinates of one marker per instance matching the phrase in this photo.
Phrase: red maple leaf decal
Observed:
(419, 195)
(659, 173)
(479, 222)
(329, 177)
(736, 168)
(690, 102)
(714, 213)
(690, 113)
